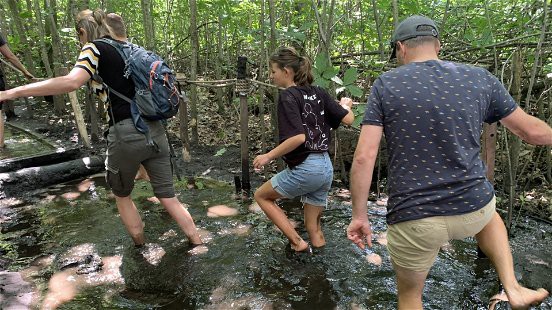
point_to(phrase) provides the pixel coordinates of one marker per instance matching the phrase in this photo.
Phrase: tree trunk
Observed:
(378, 30)
(41, 36)
(14, 8)
(274, 114)
(148, 24)
(58, 55)
(218, 65)
(395, 5)
(263, 59)
(193, 70)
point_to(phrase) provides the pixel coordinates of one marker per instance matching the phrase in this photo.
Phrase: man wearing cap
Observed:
(432, 113)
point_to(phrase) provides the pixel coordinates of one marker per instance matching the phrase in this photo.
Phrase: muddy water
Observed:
(19, 143)
(246, 265)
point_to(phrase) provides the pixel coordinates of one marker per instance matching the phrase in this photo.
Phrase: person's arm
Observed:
(55, 86)
(10, 56)
(347, 104)
(283, 148)
(528, 128)
(364, 160)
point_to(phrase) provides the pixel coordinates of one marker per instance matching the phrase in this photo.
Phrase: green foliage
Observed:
(325, 73)
(220, 152)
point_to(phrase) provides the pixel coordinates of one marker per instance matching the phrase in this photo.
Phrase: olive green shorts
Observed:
(414, 245)
(127, 149)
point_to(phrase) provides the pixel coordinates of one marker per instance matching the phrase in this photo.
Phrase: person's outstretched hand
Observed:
(360, 233)
(261, 160)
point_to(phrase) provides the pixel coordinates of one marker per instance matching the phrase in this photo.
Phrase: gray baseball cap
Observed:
(410, 28)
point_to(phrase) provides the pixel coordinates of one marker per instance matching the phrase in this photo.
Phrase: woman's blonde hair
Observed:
(94, 24)
(287, 57)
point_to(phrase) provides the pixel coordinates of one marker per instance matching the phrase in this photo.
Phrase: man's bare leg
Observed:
(131, 219)
(410, 286)
(493, 240)
(182, 217)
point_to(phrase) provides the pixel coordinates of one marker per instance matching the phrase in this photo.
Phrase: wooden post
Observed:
(183, 115)
(79, 118)
(241, 87)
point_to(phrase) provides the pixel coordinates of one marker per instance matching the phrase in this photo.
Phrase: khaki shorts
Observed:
(414, 245)
(127, 149)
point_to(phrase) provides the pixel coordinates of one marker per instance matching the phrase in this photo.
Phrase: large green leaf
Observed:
(337, 80)
(354, 90)
(350, 76)
(321, 82)
(321, 62)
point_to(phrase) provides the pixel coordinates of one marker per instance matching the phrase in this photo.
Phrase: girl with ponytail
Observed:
(306, 115)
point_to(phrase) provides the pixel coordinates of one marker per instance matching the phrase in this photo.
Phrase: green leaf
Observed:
(339, 90)
(200, 185)
(220, 152)
(321, 82)
(306, 26)
(321, 62)
(354, 90)
(328, 74)
(337, 80)
(350, 76)
(26, 14)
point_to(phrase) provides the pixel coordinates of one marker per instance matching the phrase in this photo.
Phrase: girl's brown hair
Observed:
(94, 24)
(287, 57)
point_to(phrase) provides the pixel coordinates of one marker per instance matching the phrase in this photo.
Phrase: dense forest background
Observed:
(346, 39)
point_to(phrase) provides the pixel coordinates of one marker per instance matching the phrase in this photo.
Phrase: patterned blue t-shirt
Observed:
(433, 113)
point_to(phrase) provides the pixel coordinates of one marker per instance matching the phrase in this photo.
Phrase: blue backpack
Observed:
(156, 97)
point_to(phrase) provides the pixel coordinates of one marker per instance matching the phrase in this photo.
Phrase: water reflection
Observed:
(18, 144)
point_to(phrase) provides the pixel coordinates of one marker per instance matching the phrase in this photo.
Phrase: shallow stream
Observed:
(246, 265)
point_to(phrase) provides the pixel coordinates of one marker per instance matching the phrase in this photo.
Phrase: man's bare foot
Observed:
(523, 298)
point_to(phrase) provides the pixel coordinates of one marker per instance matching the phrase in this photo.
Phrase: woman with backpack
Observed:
(306, 114)
(126, 146)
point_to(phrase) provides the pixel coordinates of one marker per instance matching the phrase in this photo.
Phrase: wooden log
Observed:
(51, 158)
(18, 182)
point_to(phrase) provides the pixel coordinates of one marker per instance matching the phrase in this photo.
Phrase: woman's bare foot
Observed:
(522, 298)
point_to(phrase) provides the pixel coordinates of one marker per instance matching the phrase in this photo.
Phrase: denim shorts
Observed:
(311, 180)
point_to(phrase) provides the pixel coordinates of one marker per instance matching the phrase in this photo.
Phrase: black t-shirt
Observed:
(103, 59)
(2, 40)
(308, 110)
